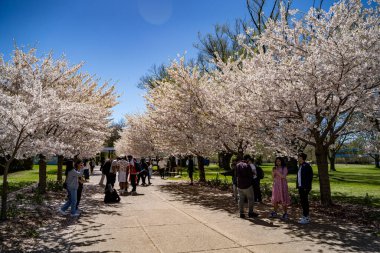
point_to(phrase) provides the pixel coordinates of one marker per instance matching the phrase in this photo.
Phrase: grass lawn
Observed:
(20, 179)
(350, 183)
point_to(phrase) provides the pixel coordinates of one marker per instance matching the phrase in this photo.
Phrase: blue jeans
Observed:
(72, 201)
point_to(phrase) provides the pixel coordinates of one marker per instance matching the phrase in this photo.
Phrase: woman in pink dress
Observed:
(280, 194)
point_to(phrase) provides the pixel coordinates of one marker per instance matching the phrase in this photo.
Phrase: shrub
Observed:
(54, 186)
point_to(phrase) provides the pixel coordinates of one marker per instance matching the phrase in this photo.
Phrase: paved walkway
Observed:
(160, 221)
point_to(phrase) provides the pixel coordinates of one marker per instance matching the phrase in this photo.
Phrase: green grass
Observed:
(350, 183)
(21, 179)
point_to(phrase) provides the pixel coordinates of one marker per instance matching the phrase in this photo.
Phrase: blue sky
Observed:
(118, 40)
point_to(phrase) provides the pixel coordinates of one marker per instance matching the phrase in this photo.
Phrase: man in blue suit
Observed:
(304, 182)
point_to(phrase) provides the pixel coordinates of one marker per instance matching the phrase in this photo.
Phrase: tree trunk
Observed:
(240, 155)
(201, 167)
(332, 158)
(28, 163)
(226, 159)
(60, 168)
(377, 160)
(321, 153)
(4, 195)
(42, 174)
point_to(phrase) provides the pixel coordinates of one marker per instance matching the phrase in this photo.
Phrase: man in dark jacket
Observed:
(244, 177)
(303, 183)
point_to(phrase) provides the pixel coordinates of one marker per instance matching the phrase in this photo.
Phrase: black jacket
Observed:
(306, 177)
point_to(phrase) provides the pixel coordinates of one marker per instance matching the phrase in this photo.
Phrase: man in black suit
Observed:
(304, 182)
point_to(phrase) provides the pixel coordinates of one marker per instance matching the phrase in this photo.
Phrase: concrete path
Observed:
(158, 220)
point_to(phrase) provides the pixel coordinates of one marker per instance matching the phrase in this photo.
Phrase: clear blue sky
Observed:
(118, 40)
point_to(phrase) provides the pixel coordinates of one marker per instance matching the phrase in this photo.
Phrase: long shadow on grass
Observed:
(333, 233)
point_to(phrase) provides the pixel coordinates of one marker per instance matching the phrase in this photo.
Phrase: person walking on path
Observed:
(86, 172)
(122, 175)
(101, 182)
(234, 180)
(303, 184)
(280, 193)
(132, 164)
(105, 171)
(244, 178)
(190, 169)
(111, 176)
(72, 189)
(150, 171)
(92, 165)
(161, 167)
(143, 172)
(78, 165)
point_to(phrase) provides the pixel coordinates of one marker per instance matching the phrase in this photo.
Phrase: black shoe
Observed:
(242, 215)
(253, 215)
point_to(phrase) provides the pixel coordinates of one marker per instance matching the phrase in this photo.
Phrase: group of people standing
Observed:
(127, 170)
(246, 186)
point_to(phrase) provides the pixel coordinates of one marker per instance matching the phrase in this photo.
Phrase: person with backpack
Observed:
(244, 176)
(280, 193)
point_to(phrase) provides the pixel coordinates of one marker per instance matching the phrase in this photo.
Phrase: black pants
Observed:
(256, 190)
(304, 196)
(111, 179)
(133, 182)
(142, 176)
(162, 173)
(190, 172)
(79, 193)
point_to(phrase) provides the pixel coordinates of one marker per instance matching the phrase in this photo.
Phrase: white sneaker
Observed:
(304, 220)
(61, 211)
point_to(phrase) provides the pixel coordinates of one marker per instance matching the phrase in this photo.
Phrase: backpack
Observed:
(111, 195)
(260, 172)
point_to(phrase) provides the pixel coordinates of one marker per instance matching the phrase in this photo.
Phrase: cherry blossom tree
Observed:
(317, 73)
(26, 107)
(48, 108)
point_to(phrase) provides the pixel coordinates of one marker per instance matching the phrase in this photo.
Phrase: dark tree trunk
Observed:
(201, 167)
(226, 159)
(321, 153)
(42, 174)
(332, 158)
(240, 155)
(28, 163)
(60, 168)
(377, 160)
(4, 194)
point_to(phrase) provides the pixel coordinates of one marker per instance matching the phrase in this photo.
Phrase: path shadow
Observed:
(66, 233)
(325, 230)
